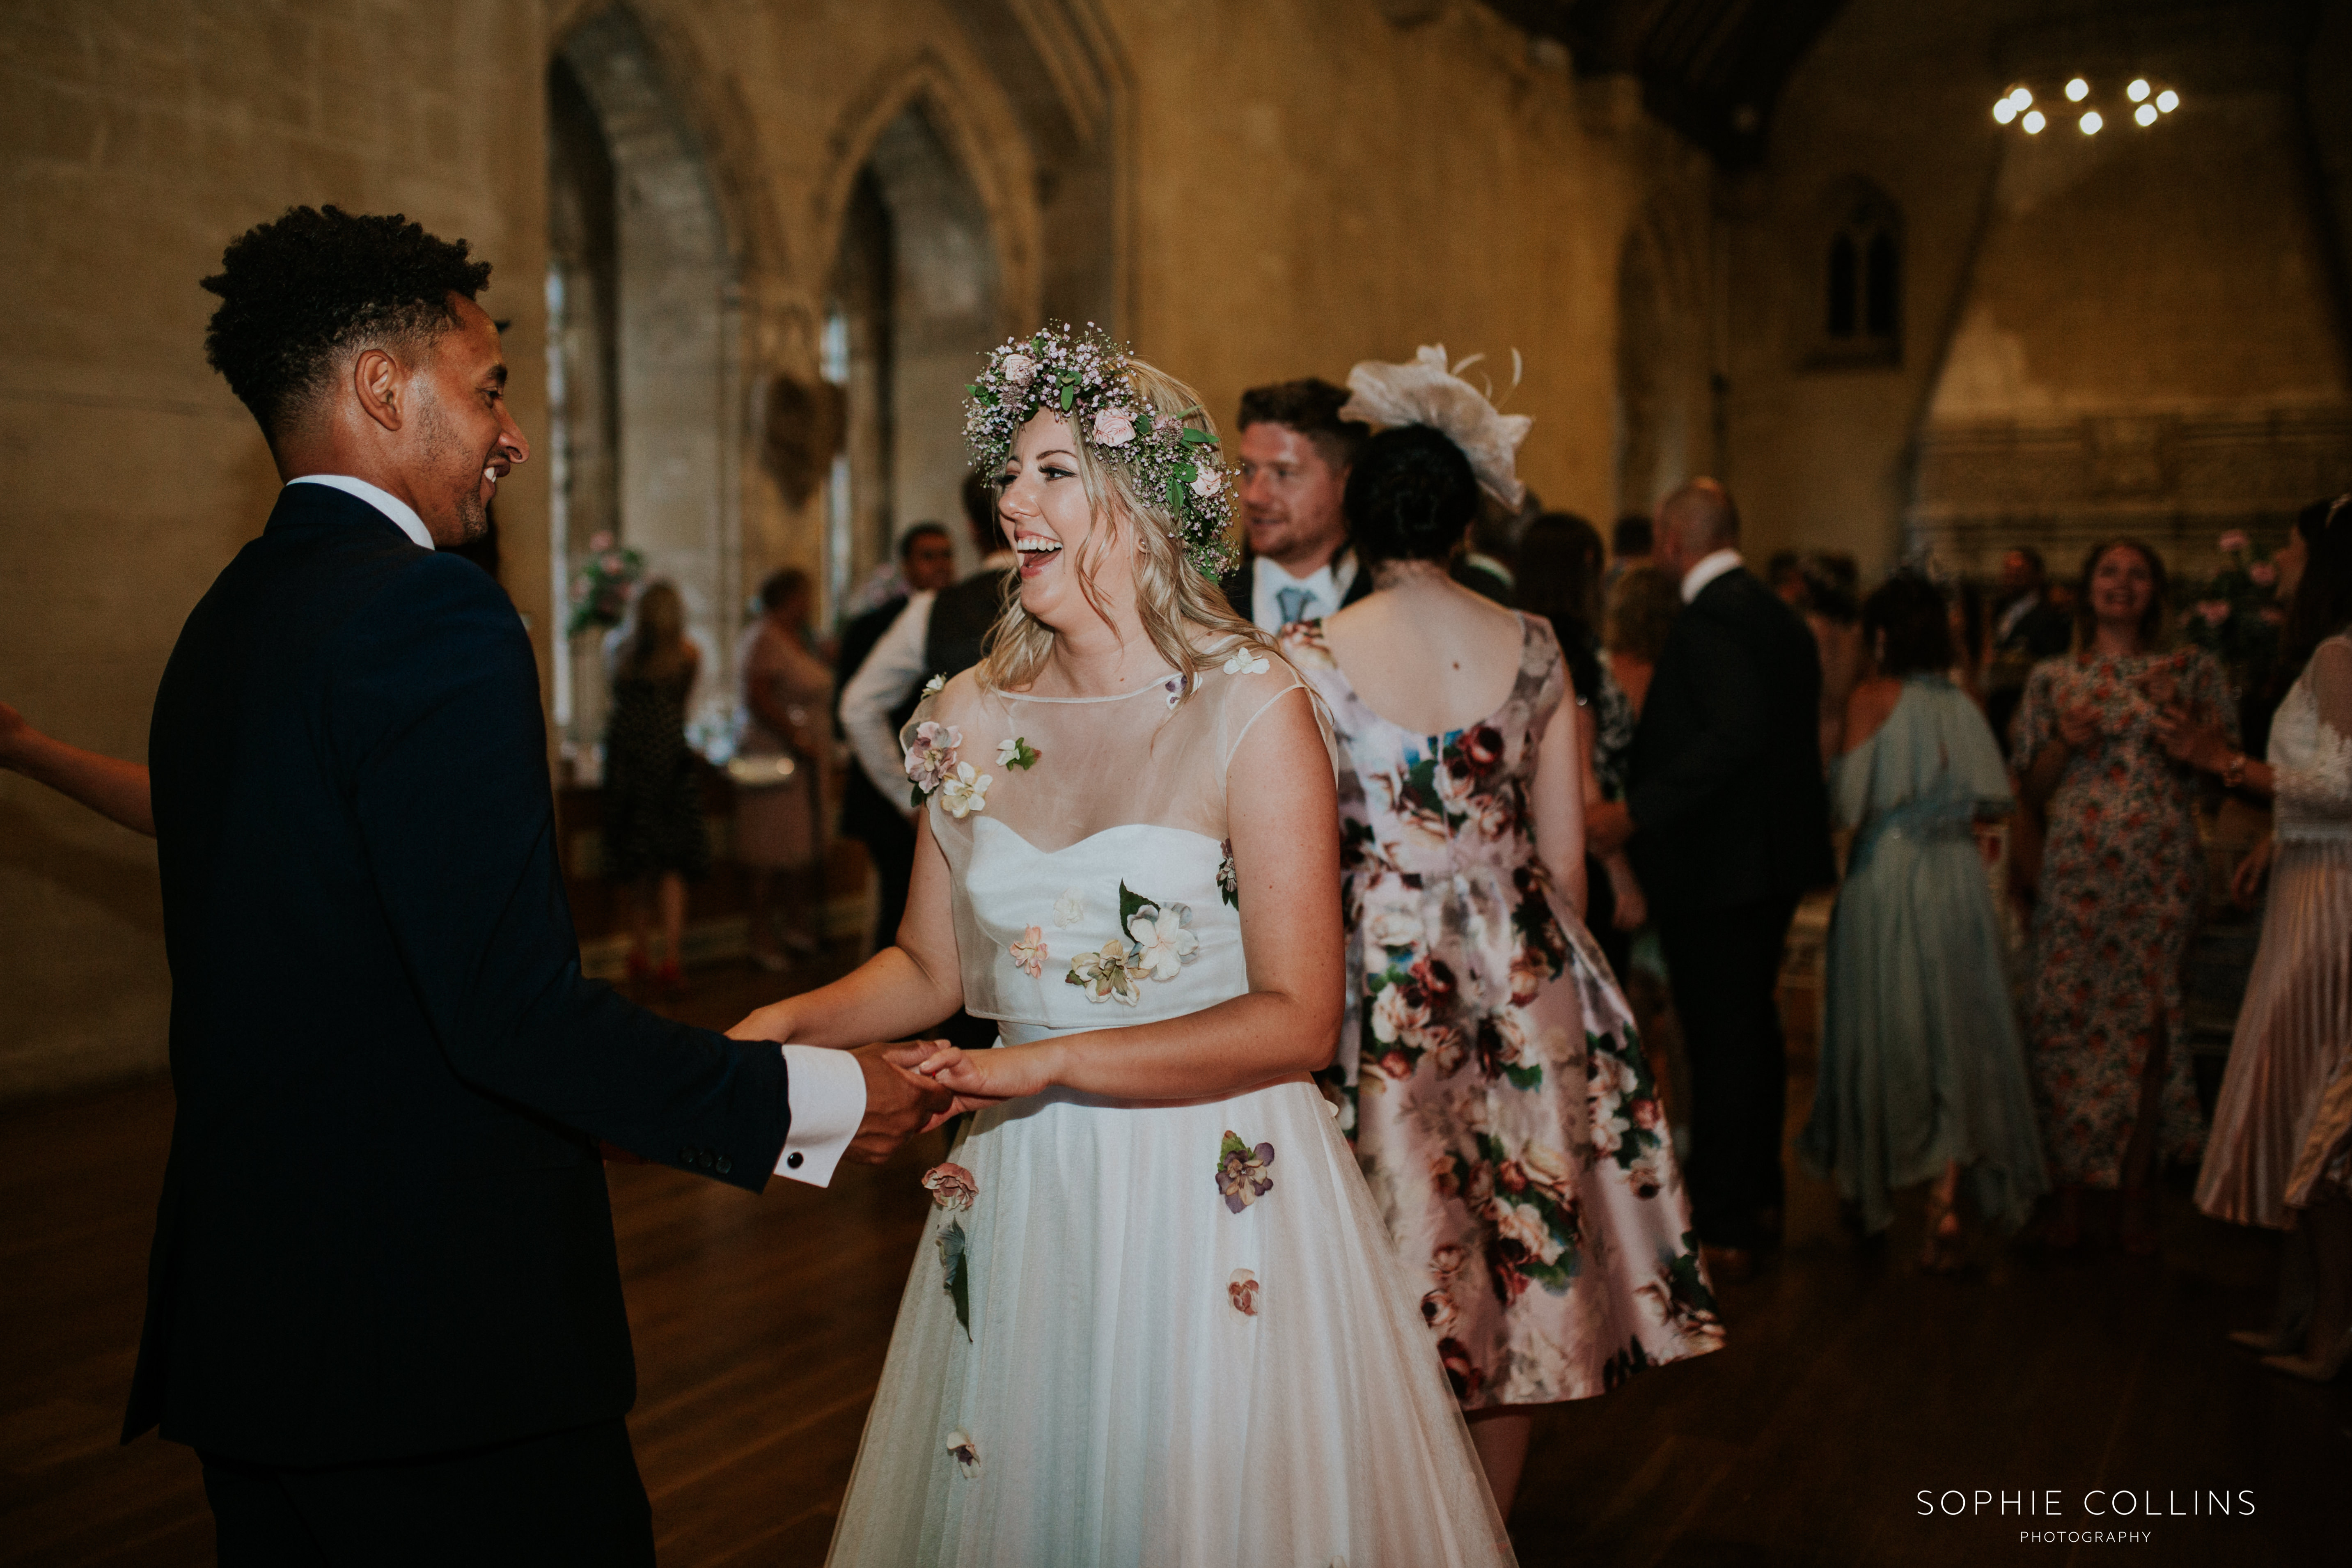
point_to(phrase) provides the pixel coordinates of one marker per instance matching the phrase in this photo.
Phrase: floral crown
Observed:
(1084, 377)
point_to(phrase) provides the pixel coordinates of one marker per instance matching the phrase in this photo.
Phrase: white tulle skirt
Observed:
(1156, 1373)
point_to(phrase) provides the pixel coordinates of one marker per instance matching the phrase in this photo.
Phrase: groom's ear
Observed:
(380, 382)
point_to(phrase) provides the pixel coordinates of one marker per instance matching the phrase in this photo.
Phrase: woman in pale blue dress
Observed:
(1922, 1074)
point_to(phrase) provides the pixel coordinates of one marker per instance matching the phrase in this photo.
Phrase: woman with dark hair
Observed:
(1489, 1071)
(1558, 579)
(2278, 1152)
(652, 792)
(2122, 885)
(1922, 1076)
(783, 761)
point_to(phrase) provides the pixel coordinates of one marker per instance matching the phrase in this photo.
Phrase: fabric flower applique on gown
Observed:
(964, 791)
(1157, 944)
(1014, 751)
(931, 759)
(1029, 954)
(1242, 1289)
(1241, 1171)
(954, 1188)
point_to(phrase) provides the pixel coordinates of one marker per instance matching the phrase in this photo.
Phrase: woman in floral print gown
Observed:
(1488, 1072)
(1154, 1318)
(2122, 888)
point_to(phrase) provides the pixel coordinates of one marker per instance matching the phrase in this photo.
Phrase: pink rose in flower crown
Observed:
(1019, 369)
(1208, 483)
(1114, 428)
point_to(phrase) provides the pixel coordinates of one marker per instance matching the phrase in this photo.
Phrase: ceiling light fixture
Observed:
(2015, 107)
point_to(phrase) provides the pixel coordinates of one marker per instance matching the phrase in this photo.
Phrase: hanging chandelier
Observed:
(2149, 103)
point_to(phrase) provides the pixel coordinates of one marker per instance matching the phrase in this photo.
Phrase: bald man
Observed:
(1726, 818)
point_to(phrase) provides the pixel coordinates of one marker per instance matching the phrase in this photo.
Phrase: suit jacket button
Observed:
(686, 1156)
(793, 1161)
(725, 1164)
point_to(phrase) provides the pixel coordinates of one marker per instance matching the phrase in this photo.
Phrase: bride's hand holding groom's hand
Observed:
(982, 1078)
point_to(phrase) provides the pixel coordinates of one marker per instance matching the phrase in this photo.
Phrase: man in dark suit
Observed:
(1728, 822)
(927, 562)
(1292, 462)
(384, 1304)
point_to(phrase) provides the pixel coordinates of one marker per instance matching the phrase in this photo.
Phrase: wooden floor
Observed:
(1852, 1382)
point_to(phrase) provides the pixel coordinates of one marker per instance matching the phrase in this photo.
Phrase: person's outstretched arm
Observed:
(110, 787)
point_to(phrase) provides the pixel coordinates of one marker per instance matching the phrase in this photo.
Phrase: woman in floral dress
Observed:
(2121, 892)
(1489, 1069)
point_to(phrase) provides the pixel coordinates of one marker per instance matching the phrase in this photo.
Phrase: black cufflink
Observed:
(793, 1161)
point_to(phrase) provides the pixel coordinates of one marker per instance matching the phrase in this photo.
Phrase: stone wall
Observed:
(2139, 331)
(1249, 192)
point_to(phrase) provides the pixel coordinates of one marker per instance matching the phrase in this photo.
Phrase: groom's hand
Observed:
(898, 1103)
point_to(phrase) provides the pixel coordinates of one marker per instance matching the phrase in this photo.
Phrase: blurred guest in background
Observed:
(654, 837)
(2028, 626)
(938, 633)
(927, 564)
(779, 808)
(1829, 598)
(1488, 561)
(1728, 819)
(1922, 1076)
(2122, 887)
(1629, 546)
(1560, 581)
(1642, 605)
(2275, 1129)
(1294, 452)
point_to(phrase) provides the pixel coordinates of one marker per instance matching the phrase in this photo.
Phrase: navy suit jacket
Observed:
(383, 1228)
(1724, 782)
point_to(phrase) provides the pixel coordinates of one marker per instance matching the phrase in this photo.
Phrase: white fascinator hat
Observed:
(1426, 389)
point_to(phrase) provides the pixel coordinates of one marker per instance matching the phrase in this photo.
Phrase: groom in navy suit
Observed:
(384, 1304)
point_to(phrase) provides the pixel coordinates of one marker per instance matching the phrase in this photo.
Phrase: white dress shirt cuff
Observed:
(827, 1090)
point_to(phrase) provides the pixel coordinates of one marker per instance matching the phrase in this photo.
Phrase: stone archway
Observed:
(643, 337)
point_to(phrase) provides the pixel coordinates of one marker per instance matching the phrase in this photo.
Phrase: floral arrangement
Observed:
(1083, 376)
(2233, 615)
(605, 584)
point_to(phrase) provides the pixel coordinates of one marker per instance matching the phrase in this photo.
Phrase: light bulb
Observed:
(2138, 90)
(2021, 96)
(2168, 101)
(2145, 114)
(2034, 122)
(2004, 112)
(2077, 91)
(2091, 124)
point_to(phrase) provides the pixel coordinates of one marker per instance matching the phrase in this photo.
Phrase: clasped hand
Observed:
(981, 1079)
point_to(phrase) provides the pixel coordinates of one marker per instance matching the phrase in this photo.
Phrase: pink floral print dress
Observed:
(1488, 1073)
(2122, 890)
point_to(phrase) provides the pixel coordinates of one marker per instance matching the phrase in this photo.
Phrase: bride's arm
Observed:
(1284, 816)
(907, 988)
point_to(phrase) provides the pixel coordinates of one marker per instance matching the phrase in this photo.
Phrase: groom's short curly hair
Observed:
(298, 293)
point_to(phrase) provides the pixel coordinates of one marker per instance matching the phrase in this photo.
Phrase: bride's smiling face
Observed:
(1049, 522)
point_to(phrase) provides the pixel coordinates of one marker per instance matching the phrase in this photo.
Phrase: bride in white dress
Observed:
(1155, 1318)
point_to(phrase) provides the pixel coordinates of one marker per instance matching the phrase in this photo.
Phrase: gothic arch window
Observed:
(1860, 273)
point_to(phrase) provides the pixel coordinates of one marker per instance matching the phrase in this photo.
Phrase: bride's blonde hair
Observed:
(1180, 607)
